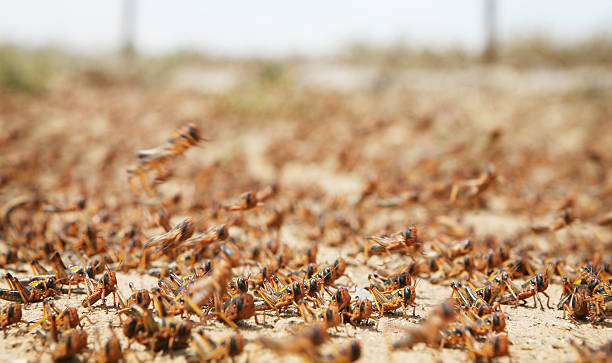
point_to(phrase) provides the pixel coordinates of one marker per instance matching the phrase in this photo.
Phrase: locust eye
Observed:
(407, 292)
(130, 328)
(447, 310)
(233, 345)
(327, 272)
(316, 337)
(242, 284)
(355, 349)
(193, 132)
(311, 269)
(402, 279)
(539, 281)
(567, 216)
(495, 320)
(296, 290)
(487, 293)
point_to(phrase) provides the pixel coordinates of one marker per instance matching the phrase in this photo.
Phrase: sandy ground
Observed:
(524, 102)
(535, 334)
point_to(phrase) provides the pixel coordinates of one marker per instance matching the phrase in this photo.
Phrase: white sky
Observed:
(279, 27)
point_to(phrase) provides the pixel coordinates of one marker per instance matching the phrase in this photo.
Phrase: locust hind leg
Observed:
(539, 300)
(547, 300)
(366, 249)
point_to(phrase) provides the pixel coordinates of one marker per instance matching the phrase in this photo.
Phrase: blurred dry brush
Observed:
(30, 69)
(522, 51)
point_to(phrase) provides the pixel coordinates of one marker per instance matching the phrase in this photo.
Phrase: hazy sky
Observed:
(275, 27)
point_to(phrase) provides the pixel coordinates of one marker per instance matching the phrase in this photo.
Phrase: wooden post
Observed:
(128, 14)
(490, 21)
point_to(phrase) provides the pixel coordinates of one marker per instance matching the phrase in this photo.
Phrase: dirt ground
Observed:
(79, 137)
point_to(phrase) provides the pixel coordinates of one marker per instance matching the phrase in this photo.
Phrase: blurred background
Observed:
(396, 33)
(269, 81)
(280, 29)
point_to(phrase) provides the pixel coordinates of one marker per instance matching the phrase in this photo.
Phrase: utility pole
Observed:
(128, 15)
(490, 22)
